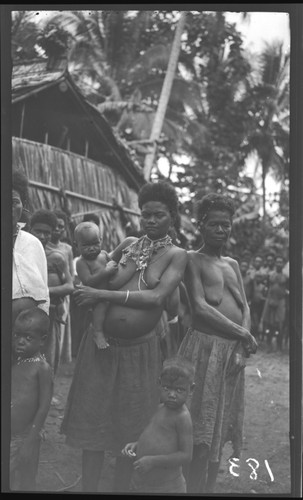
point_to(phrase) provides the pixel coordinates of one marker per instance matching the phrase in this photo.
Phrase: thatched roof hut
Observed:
(68, 150)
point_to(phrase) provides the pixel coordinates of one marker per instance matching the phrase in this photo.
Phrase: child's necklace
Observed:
(34, 359)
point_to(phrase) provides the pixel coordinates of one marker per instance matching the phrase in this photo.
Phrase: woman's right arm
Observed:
(144, 299)
(201, 309)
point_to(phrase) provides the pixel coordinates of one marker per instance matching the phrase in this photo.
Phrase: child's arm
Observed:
(93, 280)
(67, 287)
(71, 263)
(172, 308)
(130, 449)
(180, 457)
(45, 387)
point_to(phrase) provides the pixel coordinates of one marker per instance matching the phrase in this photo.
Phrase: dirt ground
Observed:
(265, 436)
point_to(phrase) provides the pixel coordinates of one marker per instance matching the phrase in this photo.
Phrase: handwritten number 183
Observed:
(253, 464)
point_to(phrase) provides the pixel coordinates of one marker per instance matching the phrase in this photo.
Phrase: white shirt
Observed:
(30, 269)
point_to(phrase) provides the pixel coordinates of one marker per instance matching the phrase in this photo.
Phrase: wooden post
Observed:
(22, 120)
(164, 97)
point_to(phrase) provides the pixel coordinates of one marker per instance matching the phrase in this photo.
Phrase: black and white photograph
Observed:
(153, 161)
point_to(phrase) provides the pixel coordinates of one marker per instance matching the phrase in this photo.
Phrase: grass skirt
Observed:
(114, 392)
(217, 402)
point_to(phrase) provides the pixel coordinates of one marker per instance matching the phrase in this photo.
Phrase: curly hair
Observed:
(214, 201)
(178, 366)
(45, 217)
(160, 191)
(91, 217)
(20, 184)
(37, 314)
(61, 215)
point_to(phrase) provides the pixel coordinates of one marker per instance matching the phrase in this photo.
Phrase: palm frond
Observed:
(182, 92)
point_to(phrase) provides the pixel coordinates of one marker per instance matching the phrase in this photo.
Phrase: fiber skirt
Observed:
(217, 402)
(114, 392)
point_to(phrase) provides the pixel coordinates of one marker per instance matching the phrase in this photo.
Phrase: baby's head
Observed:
(30, 332)
(88, 240)
(177, 381)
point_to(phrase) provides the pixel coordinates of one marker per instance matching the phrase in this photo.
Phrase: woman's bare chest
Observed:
(219, 282)
(145, 274)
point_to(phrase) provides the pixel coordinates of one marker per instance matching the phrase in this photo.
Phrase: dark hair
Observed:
(270, 254)
(91, 218)
(214, 201)
(258, 256)
(61, 215)
(244, 259)
(20, 184)
(38, 314)
(178, 367)
(85, 225)
(44, 216)
(159, 191)
(279, 257)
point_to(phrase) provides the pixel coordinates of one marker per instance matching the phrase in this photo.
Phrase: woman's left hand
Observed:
(86, 295)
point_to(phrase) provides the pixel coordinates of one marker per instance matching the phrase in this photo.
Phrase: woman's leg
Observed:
(92, 462)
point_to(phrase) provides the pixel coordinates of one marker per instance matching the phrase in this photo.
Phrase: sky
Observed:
(262, 27)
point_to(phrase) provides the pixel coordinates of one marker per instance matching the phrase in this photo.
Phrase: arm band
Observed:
(173, 320)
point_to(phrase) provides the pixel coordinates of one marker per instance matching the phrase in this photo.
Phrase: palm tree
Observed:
(165, 94)
(23, 36)
(119, 60)
(269, 132)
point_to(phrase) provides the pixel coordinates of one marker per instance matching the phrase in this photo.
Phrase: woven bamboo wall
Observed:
(61, 169)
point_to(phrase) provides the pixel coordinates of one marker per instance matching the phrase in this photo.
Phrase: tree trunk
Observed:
(164, 97)
(264, 192)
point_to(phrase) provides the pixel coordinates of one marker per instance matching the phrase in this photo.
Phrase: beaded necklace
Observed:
(141, 252)
(34, 359)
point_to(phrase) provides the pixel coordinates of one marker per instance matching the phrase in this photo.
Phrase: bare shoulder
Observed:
(180, 252)
(195, 259)
(232, 262)
(184, 418)
(45, 370)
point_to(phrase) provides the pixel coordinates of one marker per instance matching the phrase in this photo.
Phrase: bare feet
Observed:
(100, 340)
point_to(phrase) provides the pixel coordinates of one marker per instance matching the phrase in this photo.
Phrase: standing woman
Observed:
(216, 342)
(115, 391)
(29, 276)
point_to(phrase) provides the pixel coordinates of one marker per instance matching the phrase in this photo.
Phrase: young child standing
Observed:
(93, 269)
(31, 394)
(167, 442)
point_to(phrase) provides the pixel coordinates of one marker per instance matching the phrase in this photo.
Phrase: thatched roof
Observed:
(52, 100)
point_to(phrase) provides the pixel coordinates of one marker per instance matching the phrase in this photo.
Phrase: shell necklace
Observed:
(34, 359)
(141, 252)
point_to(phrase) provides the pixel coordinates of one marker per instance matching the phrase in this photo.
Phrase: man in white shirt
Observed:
(29, 269)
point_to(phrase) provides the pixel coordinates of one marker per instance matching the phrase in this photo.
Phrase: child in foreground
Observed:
(167, 442)
(93, 269)
(31, 394)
